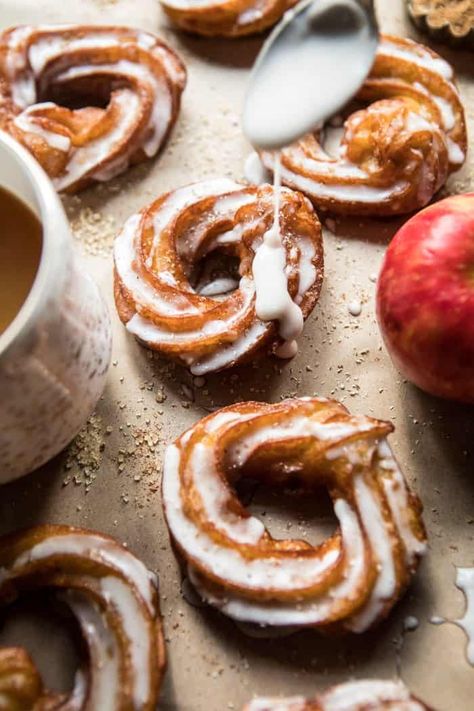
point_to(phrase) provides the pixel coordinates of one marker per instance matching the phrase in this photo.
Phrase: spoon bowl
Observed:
(312, 64)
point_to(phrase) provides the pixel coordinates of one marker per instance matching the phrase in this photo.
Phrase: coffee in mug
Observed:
(20, 252)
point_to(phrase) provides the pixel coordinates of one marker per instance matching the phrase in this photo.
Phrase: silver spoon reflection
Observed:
(312, 64)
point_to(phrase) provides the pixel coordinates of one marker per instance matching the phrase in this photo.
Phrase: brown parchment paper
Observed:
(109, 478)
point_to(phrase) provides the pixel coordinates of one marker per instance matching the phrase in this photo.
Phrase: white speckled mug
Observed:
(55, 354)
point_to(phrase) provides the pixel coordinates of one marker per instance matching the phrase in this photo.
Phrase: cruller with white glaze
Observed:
(350, 581)
(115, 601)
(44, 69)
(219, 324)
(397, 150)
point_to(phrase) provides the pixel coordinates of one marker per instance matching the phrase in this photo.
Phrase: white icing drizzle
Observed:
(287, 350)
(455, 153)
(356, 192)
(254, 170)
(91, 156)
(341, 169)
(359, 694)
(292, 703)
(380, 541)
(397, 496)
(151, 333)
(247, 12)
(215, 497)
(48, 48)
(23, 89)
(185, 4)
(220, 419)
(307, 270)
(351, 696)
(102, 693)
(465, 582)
(121, 596)
(273, 301)
(89, 546)
(447, 114)
(419, 55)
(229, 354)
(331, 140)
(26, 122)
(298, 426)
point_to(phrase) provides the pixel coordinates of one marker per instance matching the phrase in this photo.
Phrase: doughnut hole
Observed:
(78, 93)
(31, 620)
(216, 275)
(289, 511)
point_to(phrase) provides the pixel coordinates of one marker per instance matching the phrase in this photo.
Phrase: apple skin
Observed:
(425, 299)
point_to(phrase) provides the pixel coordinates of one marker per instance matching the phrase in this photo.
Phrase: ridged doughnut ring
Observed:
(48, 68)
(159, 249)
(351, 580)
(225, 18)
(114, 598)
(364, 695)
(394, 154)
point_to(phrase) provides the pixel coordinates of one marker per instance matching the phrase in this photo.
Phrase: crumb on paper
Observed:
(137, 458)
(84, 454)
(94, 231)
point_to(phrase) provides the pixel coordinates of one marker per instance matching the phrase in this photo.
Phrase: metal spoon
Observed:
(312, 64)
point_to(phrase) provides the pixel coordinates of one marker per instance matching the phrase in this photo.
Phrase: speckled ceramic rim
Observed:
(55, 240)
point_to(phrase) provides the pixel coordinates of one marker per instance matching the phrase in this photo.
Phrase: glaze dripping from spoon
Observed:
(273, 301)
(339, 39)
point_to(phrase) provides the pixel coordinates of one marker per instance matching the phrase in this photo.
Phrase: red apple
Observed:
(425, 298)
